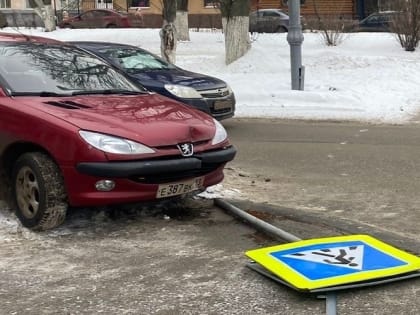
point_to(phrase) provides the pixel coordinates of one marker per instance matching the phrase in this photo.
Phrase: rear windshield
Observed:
(37, 67)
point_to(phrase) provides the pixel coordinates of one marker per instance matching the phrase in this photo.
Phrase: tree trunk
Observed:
(181, 24)
(49, 21)
(168, 33)
(235, 21)
(45, 11)
(181, 21)
(237, 41)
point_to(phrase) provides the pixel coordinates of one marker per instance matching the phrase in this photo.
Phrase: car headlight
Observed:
(229, 89)
(112, 144)
(182, 91)
(220, 134)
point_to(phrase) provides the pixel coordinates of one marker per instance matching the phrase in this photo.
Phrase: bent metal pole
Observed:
(330, 298)
(258, 223)
(295, 39)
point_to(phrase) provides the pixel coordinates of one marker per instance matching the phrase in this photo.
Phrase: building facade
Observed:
(206, 9)
(201, 13)
(15, 4)
(345, 8)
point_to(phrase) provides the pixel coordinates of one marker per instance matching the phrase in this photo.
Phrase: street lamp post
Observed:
(295, 39)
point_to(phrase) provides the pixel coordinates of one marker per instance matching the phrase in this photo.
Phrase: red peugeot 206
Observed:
(74, 131)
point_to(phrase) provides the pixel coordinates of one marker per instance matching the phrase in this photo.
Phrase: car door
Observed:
(371, 24)
(253, 21)
(385, 22)
(270, 21)
(93, 19)
(110, 19)
(83, 20)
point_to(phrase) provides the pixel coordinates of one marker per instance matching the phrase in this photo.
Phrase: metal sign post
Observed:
(295, 39)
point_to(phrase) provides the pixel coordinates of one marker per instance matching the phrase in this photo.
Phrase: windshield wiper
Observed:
(49, 94)
(41, 94)
(110, 91)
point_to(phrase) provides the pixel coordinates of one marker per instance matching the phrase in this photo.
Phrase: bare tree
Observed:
(333, 24)
(181, 21)
(168, 33)
(45, 11)
(235, 22)
(406, 23)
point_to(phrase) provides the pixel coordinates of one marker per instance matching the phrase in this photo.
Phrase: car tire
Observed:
(281, 29)
(38, 192)
(111, 26)
(67, 26)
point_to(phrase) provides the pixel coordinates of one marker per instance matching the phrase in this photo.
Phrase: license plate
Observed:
(222, 104)
(179, 188)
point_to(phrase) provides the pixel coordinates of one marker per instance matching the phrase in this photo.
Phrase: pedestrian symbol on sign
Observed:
(350, 256)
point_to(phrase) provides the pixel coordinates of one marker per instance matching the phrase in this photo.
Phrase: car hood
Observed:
(159, 78)
(151, 119)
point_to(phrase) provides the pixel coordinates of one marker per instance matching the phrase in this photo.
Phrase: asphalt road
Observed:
(311, 179)
(363, 173)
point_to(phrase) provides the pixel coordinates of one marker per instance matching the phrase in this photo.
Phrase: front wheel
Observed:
(281, 29)
(38, 191)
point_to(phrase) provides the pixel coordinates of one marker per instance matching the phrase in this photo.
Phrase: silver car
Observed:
(268, 21)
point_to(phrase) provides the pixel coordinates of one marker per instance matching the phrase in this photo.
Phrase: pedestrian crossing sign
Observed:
(332, 261)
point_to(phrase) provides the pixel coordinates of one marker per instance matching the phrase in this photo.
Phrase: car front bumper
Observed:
(138, 181)
(219, 108)
(156, 167)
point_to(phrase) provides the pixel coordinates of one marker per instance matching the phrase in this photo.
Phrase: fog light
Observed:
(105, 185)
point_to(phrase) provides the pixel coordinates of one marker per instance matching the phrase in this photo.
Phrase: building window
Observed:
(209, 3)
(140, 3)
(5, 4)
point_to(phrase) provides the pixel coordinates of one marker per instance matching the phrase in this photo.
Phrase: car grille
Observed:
(176, 176)
(215, 93)
(216, 97)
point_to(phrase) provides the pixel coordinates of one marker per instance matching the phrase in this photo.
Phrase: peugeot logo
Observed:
(187, 149)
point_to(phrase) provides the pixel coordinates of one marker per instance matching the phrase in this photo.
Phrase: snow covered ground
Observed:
(369, 77)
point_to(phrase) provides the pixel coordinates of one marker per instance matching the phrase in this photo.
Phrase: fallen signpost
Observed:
(325, 266)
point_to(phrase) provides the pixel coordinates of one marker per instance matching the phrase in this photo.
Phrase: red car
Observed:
(74, 131)
(97, 18)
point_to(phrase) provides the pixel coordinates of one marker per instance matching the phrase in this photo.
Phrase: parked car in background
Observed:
(268, 21)
(206, 93)
(97, 18)
(76, 131)
(376, 22)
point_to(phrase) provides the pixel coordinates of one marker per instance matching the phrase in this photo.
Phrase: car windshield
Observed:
(48, 70)
(133, 60)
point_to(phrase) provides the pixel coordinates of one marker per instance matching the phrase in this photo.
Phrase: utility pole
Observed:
(295, 39)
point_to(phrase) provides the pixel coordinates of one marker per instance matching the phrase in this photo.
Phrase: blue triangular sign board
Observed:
(332, 261)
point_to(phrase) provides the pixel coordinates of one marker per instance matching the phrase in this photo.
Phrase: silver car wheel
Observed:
(27, 192)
